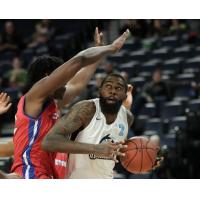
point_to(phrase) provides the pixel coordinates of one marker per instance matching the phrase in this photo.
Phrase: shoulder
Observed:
(83, 110)
(130, 117)
(87, 105)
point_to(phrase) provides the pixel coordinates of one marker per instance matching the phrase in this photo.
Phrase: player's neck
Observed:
(110, 118)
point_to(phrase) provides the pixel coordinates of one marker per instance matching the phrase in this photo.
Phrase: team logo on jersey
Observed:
(122, 128)
(105, 139)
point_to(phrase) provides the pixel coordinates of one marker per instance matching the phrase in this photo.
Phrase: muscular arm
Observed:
(78, 83)
(42, 89)
(58, 138)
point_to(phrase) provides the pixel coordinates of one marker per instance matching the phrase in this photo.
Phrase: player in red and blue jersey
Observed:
(37, 110)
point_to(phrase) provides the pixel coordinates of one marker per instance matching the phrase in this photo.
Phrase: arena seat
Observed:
(154, 124)
(171, 109)
(194, 105)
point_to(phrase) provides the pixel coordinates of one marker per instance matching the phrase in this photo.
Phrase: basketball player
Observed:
(37, 110)
(93, 123)
(7, 149)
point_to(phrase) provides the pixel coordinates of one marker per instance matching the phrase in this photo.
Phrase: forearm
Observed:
(63, 146)
(94, 54)
(66, 71)
(79, 82)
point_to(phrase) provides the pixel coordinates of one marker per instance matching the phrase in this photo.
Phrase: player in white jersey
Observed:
(99, 127)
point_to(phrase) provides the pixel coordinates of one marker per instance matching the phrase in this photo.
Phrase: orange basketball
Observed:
(140, 155)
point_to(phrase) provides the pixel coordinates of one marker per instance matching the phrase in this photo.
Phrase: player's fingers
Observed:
(118, 153)
(3, 98)
(8, 106)
(7, 100)
(96, 31)
(130, 88)
(122, 146)
(101, 36)
(1, 95)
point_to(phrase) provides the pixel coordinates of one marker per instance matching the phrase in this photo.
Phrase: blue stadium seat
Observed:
(170, 41)
(185, 51)
(193, 62)
(139, 55)
(130, 67)
(149, 109)
(154, 124)
(194, 105)
(150, 65)
(183, 90)
(138, 82)
(169, 140)
(173, 64)
(185, 77)
(180, 122)
(171, 109)
(161, 53)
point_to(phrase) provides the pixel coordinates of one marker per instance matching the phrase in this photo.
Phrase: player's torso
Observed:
(28, 136)
(91, 166)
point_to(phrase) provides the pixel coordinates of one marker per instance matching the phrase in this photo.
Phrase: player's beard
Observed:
(109, 108)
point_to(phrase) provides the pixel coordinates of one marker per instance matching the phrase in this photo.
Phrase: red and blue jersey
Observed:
(30, 161)
(61, 165)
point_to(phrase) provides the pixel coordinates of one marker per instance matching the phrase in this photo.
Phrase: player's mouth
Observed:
(111, 100)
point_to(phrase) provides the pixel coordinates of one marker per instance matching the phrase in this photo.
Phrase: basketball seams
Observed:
(131, 159)
(149, 155)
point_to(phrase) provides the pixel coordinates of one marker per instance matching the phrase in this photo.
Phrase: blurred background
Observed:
(161, 60)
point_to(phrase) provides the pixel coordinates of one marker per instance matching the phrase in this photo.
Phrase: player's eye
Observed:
(108, 86)
(119, 88)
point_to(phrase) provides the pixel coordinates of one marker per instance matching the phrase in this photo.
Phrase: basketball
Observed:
(140, 155)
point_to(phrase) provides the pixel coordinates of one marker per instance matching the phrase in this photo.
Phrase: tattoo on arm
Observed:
(58, 138)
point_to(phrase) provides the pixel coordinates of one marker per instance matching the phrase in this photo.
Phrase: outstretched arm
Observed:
(78, 83)
(42, 89)
(58, 138)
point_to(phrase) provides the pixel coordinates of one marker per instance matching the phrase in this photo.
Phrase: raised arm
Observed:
(78, 83)
(65, 72)
(48, 85)
(58, 138)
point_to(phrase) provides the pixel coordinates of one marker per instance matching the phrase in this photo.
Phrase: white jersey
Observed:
(97, 131)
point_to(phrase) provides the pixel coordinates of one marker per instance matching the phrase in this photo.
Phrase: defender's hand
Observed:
(4, 103)
(129, 99)
(119, 42)
(98, 37)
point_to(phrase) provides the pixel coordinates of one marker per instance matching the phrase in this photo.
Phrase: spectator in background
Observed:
(10, 39)
(157, 28)
(17, 76)
(46, 25)
(152, 91)
(177, 27)
(41, 38)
